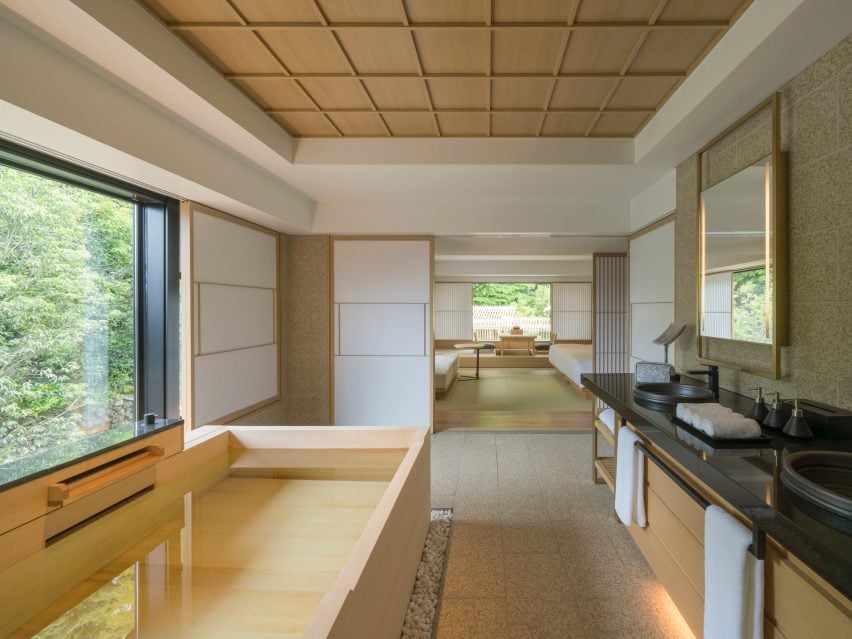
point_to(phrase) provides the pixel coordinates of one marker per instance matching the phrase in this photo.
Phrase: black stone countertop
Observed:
(22, 470)
(746, 475)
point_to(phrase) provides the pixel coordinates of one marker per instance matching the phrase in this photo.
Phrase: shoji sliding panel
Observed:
(572, 311)
(234, 299)
(652, 257)
(611, 313)
(453, 310)
(383, 365)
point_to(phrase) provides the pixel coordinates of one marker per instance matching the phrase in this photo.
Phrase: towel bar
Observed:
(758, 544)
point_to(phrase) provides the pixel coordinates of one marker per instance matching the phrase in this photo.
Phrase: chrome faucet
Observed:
(712, 373)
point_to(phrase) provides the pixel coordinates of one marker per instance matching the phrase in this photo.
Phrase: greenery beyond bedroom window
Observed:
(500, 306)
(750, 320)
(67, 342)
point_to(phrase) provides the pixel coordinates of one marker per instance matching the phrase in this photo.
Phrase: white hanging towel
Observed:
(733, 579)
(629, 480)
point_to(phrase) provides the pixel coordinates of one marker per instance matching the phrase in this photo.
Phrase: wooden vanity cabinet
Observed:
(798, 604)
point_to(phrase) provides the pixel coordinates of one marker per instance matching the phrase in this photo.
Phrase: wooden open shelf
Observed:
(605, 467)
(606, 432)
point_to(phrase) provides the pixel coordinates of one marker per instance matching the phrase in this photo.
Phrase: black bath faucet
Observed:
(712, 373)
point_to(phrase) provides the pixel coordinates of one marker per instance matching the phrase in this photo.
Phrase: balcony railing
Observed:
(490, 321)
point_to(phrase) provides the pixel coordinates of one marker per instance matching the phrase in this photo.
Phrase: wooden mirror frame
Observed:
(779, 242)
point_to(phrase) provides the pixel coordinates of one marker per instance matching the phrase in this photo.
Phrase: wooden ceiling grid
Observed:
(460, 68)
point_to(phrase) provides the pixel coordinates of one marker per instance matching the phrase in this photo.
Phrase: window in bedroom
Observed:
(88, 323)
(497, 307)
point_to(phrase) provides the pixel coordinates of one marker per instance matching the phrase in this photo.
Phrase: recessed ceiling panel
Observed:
(276, 93)
(411, 124)
(459, 93)
(276, 11)
(398, 93)
(359, 124)
(464, 124)
(516, 124)
(380, 51)
(526, 51)
(361, 10)
(453, 67)
(307, 50)
(599, 50)
(447, 10)
(307, 124)
(567, 124)
(581, 93)
(673, 50)
(337, 93)
(456, 51)
(520, 93)
(233, 51)
(617, 10)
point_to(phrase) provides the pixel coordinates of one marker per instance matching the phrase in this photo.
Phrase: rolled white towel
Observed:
(732, 426)
(692, 413)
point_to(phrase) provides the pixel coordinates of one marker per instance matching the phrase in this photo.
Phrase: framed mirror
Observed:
(742, 255)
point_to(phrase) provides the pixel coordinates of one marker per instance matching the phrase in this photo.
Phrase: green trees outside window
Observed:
(66, 313)
(749, 320)
(499, 306)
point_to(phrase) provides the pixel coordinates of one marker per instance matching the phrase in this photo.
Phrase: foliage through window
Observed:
(67, 340)
(497, 307)
(750, 319)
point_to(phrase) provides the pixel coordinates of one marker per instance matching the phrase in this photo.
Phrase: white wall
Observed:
(652, 264)
(383, 365)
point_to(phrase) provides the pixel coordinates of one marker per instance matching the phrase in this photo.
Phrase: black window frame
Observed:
(156, 219)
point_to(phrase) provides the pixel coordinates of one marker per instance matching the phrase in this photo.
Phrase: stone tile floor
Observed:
(535, 550)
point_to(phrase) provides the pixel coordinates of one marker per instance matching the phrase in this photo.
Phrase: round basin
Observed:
(665, 396)
(821, 477)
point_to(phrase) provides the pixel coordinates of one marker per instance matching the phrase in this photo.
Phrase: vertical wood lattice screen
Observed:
(611, 313)
(716, 317)
(572, 310)
(453, 310)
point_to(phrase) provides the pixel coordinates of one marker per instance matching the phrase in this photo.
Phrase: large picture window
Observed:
(497, 307)
(88, 311)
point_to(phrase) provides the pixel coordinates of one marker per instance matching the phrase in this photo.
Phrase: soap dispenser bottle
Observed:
(758, 410)
(797, 425)
(779, 413)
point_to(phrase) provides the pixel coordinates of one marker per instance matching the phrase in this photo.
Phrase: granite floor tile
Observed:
(474, 574)
(535, 549)
(472, 619)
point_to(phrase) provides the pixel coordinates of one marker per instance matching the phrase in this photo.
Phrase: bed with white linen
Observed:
(446, 370)
(572, 360)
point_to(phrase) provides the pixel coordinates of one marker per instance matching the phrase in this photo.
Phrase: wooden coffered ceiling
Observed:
(453, 68)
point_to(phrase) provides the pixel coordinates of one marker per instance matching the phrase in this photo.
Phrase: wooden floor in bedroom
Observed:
(512, 400)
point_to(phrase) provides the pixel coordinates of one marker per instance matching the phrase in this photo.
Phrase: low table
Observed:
(477, 346)
(511, 342)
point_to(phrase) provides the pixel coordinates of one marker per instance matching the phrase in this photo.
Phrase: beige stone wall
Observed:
(304, 332)
(816, 131)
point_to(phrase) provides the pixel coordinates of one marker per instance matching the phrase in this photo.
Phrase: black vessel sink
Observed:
(822, 478)
(665, 396)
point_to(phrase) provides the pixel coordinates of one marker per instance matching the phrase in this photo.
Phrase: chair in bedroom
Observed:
(543, 348)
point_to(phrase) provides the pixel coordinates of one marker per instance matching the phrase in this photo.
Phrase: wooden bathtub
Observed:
(249, 531)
